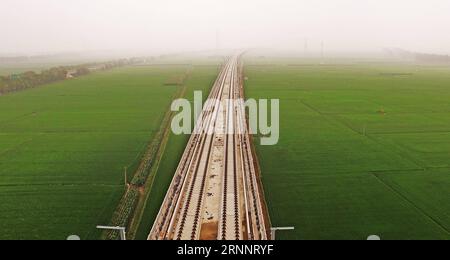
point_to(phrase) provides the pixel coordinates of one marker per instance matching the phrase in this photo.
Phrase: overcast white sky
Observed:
(47, 26)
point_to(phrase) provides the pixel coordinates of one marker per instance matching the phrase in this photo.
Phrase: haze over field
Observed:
(49, 26)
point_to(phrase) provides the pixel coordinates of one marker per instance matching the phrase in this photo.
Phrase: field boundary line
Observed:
(61, 184)
(15, 147)
(407, 171)
(136, 220)
(412, 132)
(396, 171)
(131, 206)
(17, 118)
(330, 118)
(311, 107)
(391, 147)
(409, 201)
(140, 209)
(404, 154)
(341, 122)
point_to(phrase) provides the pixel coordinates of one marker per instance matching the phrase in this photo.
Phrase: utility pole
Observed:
(274, 230)
(217, 42)
(323, 51)
(306, 47)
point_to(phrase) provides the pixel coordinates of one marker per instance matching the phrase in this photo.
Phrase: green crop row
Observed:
(144, 170)
(68, 142)
(122, 214)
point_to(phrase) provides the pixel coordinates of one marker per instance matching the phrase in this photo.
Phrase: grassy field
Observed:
(63, 148)
(364, 148)
(202, 79)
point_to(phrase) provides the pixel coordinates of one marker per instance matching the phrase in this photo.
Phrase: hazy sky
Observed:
(42, 26)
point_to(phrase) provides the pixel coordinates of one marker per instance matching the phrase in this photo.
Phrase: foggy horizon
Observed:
(137, 26)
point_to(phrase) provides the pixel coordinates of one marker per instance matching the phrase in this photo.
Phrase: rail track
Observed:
(215, 192)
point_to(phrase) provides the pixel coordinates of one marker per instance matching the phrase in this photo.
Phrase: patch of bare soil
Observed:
(209, 231)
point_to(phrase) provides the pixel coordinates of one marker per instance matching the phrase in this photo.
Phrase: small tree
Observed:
(82, 71)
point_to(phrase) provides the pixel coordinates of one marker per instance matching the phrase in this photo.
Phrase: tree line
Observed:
(417, 56)
(31, 79)
(433, 58)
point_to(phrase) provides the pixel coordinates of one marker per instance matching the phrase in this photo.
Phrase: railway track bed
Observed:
(215, 193)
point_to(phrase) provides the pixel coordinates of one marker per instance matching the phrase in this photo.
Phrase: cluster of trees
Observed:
(416, 56)
(433, 58)
(31, 79)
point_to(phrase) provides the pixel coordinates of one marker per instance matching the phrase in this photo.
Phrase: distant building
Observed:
(71, 74)
(14, 76)
(97, 67)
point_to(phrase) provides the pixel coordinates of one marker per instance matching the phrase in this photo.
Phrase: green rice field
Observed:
(364, 148)
(63, 149)
(202, 79)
